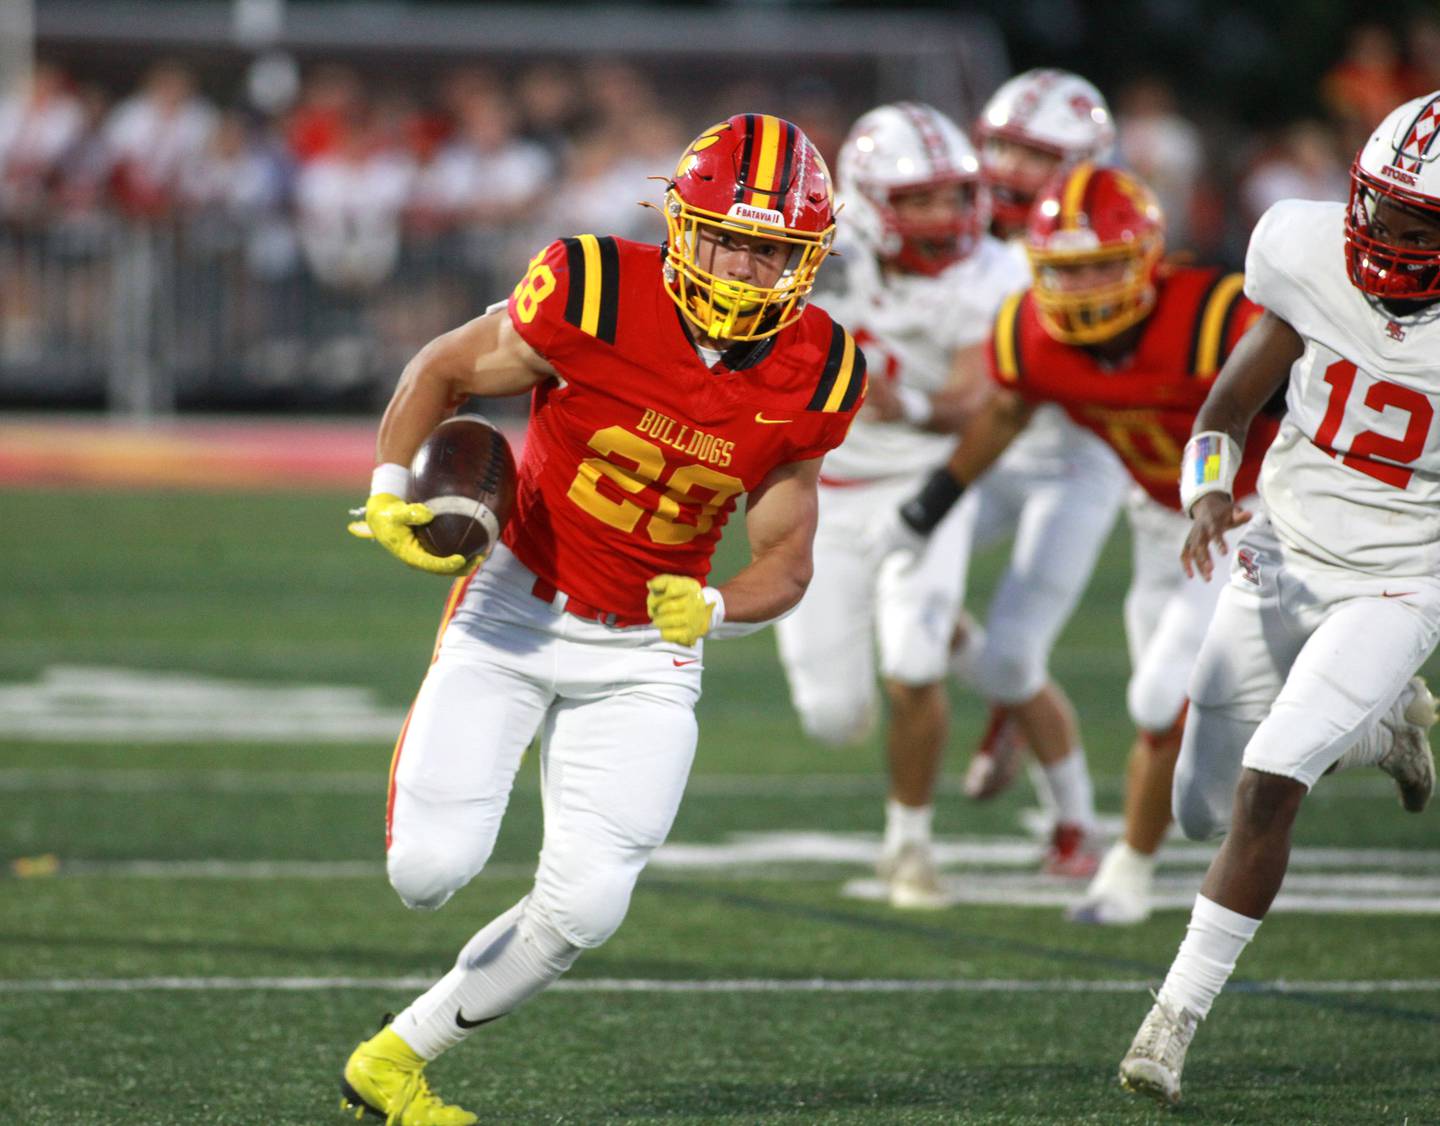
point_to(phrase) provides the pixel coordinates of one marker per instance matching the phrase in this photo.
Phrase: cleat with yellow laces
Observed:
(385, 1078)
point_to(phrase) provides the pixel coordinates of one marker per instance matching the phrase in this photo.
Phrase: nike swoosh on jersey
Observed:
(679, 664)
(463, 1023)
(1396, 593)
(760, 418)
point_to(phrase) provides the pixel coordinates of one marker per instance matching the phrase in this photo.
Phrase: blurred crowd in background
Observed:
(314, 189)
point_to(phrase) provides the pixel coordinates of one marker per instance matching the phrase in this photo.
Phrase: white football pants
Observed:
(1166, 614)
(857, 600)
(1300, 660)
(1059, 513)
(614, 708)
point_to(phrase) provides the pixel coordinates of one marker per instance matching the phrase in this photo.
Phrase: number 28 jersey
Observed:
(636, 455)
(1353, 479)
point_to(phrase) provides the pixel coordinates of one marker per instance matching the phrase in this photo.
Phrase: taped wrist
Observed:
(928, 507)
(391, 478)
(1209, 465)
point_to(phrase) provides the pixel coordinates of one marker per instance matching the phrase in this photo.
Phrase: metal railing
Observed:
(211, 313)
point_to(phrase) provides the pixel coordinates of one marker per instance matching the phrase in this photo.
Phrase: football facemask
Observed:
(910, 181)
(1104, 219)
(756, 176)
(1395, 183)
(1047, 111)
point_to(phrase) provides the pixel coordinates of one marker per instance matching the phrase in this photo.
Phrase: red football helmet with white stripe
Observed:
(907, 148)
(1395, 176)
(758, 175)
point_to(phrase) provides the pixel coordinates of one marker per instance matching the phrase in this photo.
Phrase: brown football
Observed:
(464, 473)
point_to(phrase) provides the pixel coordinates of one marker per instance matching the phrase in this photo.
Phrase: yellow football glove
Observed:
(388, 521)
(679, 606)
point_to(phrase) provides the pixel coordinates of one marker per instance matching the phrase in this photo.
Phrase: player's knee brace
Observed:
(1009, 674)
(423, 877)
(838, 721)
(591, 910)
(1154, 702)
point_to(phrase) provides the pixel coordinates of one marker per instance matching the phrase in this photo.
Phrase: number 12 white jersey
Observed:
(1353, 479)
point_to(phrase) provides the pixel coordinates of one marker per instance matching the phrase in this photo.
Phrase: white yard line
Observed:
(144, 780)
(653, 985)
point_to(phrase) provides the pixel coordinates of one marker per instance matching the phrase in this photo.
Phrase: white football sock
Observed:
(1212, 945)
(906, 824)
(508, 961)
(1069, 781)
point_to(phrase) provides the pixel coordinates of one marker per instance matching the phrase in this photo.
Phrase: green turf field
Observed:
(195, 925)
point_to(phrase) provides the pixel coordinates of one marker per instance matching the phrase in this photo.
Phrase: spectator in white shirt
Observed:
(38, 124)
(155, 136)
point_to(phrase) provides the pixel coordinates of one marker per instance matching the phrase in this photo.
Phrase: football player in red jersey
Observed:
(666, 383)
(1128, 348)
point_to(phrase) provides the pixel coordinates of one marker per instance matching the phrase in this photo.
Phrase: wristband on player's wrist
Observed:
(388, 477)
(929, 506)
(716, 601)
(1209, 465)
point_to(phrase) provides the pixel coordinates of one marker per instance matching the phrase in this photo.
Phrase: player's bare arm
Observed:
(484, 356)
(780, 521)
(965, 394)
(988, 434)
(1255, 370)
(983, 439)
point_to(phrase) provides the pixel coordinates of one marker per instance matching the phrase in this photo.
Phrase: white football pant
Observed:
(1300, 660)
(1166, 614)
(614, 709)
(1059, 517)
(858, 600)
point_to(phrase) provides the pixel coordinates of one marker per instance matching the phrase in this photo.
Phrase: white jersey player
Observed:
(1333, 601)
(923, 285)
(1057, 490)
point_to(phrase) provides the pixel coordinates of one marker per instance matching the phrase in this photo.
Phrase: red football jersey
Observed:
(1145, 408)
(636, 456)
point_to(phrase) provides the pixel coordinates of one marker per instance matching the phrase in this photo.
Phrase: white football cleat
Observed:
(1409, 760)
(912, 883)
(1119, 895)
(1156, 1057)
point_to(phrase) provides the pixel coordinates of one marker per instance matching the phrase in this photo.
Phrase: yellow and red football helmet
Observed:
(1106, 219)
(758, 175)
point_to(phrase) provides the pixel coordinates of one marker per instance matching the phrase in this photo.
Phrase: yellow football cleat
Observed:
(384, 1077)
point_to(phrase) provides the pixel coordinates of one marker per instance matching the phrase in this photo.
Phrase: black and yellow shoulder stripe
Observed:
(1005, 338)
(843, 377)
(593, 302)
(1213, 322)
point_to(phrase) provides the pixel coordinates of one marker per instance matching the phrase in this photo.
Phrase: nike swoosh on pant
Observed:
(679, 664)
